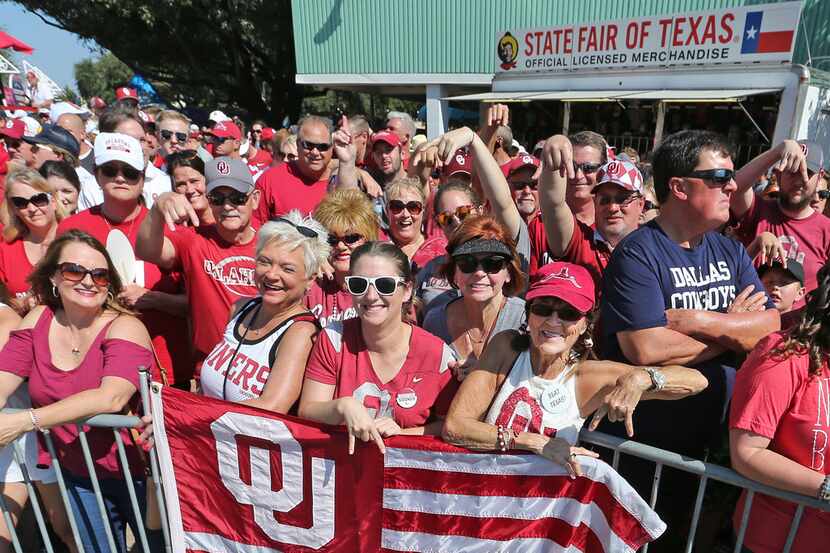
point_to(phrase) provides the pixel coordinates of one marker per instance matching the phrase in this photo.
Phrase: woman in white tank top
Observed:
(262, 356)
(534, 389)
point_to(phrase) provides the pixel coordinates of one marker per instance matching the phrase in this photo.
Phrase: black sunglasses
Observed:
(305, 231)
(76, 273)
(564, 312)
(38, 200)
(12, 142)
(218, 140)
(235, 198)
(648, 205)
(517, 185)
(586, 168)
(319, 146)
(468, 263)
(348, 239)
(823, 194)
(384, 285)
(167, 135)
(721, 177)
(111, 170)
(396, 206)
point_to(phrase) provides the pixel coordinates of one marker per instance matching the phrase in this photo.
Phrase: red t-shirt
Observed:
(339, 357)
(805, 240)
(587, 250)
(329, 303)
(776, 398)
(260, 161)
(15, 267)
(284, 188)
(429, 250)
(216, 275)
(539, 252)
(168, 332)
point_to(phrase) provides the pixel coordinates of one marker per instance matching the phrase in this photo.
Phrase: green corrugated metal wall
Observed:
(457, 36)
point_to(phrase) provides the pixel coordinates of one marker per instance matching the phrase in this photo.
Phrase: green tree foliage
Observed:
(101, 77)
(234, 54)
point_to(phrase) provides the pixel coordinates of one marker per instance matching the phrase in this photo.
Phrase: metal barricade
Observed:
(705, 472)
(116, 423)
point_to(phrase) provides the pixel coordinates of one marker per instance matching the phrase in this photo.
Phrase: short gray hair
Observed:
(408, 123)
(315, 249)
(318, 119)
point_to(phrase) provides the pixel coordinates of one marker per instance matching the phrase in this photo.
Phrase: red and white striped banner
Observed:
(242, 479)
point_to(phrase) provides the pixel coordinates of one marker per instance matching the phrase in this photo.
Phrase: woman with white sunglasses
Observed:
(376, 374)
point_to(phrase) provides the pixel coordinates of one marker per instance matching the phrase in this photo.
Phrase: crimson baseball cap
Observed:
(96, 102)
(622, 173)
(520, 162)
(387, 137)
(226, 129)
(267, 134)
(459, 163)
(13, 128)
(566, 281)
(126, 93)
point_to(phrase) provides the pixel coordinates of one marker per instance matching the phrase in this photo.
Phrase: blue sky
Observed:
(56, 51)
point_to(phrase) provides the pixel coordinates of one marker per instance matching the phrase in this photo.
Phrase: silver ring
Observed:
(573, 454)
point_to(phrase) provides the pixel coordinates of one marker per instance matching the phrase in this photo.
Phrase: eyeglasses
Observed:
(256, 131)
(468, 263)
(305, 231)
(564, 312)
(396, 206)
(76, 273)
(235, 198)
(38, 200)
(348, 239)
(461, 212)
(648, 205)
(384, 285)
(823, 194)
(586, 168)
(319, 146)
(623, 200)
(112, 170)
(167, 135)
(721, 177)
(521, 185)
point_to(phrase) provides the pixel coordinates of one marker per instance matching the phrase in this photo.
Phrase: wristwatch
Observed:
(658, 379)
(824, 490)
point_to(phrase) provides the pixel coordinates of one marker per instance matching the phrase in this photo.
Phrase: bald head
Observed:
(74, 124)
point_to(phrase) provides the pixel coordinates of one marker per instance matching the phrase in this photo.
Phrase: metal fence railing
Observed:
(705, 473)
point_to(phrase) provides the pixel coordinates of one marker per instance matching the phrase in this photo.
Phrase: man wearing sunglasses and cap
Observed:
(676, 291)
(217, 260)
(299, 184)
(803, 232)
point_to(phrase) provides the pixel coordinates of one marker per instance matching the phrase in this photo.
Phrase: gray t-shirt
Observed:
(430, 285)
(511, 317)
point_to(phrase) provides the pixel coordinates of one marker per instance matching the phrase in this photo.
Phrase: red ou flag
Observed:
(238, 478)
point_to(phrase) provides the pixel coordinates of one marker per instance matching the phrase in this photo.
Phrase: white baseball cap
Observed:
(218, 116)
(33, 126)
(111, 146)
(61, 108)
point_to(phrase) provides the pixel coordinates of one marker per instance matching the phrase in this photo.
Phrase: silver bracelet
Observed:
(824, 490)
(35, 423)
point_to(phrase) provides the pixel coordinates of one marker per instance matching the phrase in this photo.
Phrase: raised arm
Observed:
(151, 244)
(557, 166)
(787, 156)
(346, 152)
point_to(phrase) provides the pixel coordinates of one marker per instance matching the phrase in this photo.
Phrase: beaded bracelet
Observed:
(33, 418)
(502, 446)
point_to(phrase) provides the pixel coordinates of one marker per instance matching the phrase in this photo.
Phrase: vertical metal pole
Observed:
(7, 518)
(701, 490)
(793, 528)
(615, 462)
(566, 118)
(70, 513)
(655, 489)
(144, 377)
(658, 126)
(739, 541)
(20, 457)
(128, 480)
(96, 486)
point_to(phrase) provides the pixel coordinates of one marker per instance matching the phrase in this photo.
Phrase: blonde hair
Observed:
(398, 186)
(15, 228)
(171, 114)
(348, 209)
(315, 249)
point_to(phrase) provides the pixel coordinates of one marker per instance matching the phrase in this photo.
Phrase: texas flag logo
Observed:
(766, 35)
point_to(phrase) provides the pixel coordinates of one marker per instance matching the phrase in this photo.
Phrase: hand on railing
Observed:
(145, 439)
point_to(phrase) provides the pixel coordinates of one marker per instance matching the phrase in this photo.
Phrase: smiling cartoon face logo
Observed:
(508, 51)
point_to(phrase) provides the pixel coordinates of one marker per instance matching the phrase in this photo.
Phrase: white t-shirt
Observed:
(40, 94)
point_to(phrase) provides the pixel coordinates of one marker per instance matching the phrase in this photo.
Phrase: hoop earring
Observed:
(110, 296)
(54, 290)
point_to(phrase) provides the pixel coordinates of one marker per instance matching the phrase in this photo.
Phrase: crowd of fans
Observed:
(454, 287)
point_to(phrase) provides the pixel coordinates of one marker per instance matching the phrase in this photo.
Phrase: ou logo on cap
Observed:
(614, 168)
(9, 124)
(459, 159)
(223, 168)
